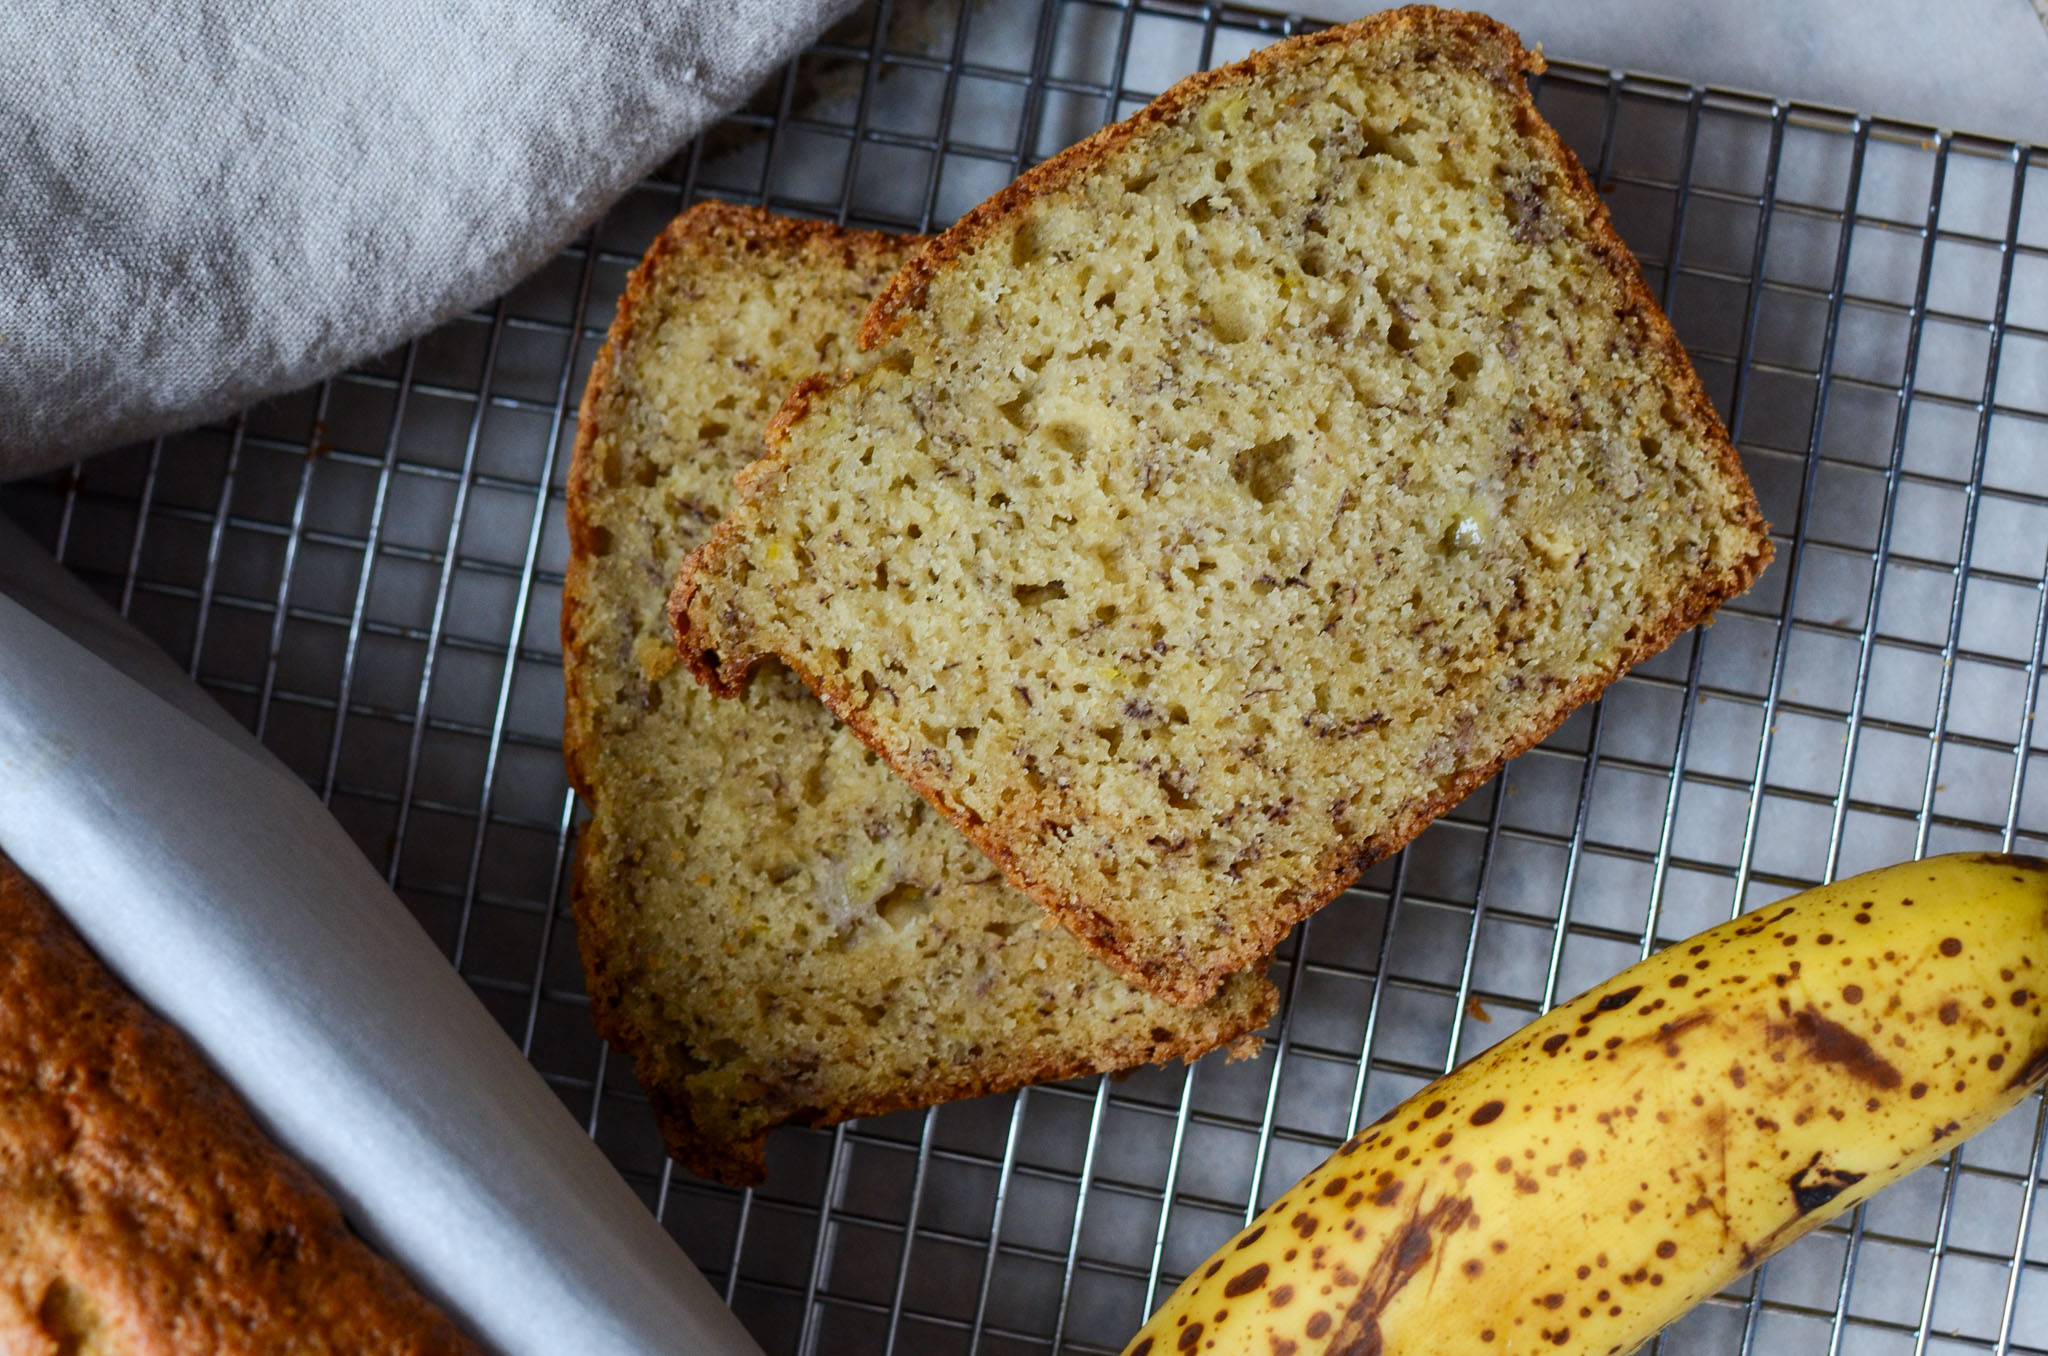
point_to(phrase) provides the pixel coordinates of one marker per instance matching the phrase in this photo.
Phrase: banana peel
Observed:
(1585, 1182)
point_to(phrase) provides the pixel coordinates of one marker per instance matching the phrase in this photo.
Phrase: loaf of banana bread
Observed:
(142, 1210)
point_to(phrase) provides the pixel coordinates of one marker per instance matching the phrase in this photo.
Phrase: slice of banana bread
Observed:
(1236, 491)
(772, 923)
(142, 1210)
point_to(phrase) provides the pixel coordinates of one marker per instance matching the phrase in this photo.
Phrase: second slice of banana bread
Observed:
(772, 924)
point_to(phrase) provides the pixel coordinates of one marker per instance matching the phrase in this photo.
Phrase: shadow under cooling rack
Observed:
(368, 573)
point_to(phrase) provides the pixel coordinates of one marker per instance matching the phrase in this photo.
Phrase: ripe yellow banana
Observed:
(1590, 1178)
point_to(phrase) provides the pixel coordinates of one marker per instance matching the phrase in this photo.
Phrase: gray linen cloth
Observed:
(204, 202)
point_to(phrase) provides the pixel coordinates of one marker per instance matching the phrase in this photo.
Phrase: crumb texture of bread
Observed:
(772, 923)
(142, 1211)
(1240, 489)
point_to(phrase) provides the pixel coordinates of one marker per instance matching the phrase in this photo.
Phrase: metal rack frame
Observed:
(366, 573)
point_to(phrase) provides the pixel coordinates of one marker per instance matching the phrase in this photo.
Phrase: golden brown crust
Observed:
(140, 1205)
(1479, 43)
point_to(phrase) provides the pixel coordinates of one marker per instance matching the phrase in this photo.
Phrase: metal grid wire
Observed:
(367, 572)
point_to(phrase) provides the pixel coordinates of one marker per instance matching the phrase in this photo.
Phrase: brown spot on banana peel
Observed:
(1679, 1025)
(2034, 1070)
(1761, 921)
(1246, 1281)
(1617, 1000)
(2019, 861)
(1814, 1185)
(1399, 1259)
(1832, 1043)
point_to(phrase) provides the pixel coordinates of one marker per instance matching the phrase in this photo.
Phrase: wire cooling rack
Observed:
(368, 573)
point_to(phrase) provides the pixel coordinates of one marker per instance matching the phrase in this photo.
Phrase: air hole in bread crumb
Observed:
(1267, 469)
(1382, 143)
(1069, 438)
(1111, 735)
(1026, 244)
(1038, 595)
(712, 429)
(1398, 336)
(903, 905)
(1465, 366)
(1231, 319)
(1268, 180)
(600, 541)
